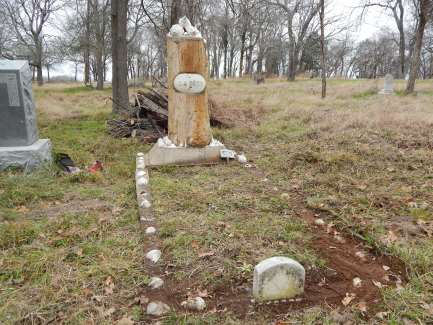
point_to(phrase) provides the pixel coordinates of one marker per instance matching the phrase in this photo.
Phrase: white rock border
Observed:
(142, 187)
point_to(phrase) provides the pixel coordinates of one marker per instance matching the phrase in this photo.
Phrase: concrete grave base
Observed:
(386, 92)
(26, 157)
(180, 156)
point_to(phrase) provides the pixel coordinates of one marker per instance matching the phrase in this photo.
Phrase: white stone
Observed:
(154, 255)
(140, 173)
(157, 308)
(176, 31)
(196, 303)
(242, 159)
(190, 83)
(186, 24)
(142, 181)
(319, 222)
(150, 230)
(145, 204)
(140, 155)
(155, 283)
(278, 278)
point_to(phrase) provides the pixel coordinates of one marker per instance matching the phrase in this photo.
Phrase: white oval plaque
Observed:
(190, 83)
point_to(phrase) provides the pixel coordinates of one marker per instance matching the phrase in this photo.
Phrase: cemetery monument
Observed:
(189, 139)
(20, 145)
(388, 88)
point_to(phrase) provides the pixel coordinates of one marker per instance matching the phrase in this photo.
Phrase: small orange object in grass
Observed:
(96, 167)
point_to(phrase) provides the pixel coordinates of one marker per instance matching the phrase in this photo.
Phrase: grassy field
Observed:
(72, 251)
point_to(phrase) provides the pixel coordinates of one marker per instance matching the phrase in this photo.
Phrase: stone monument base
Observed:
(26, 157)
(182, 156)
(386, 92)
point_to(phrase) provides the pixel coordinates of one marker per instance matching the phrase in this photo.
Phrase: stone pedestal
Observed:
(26, 157)
(178, 156)
(19, 142)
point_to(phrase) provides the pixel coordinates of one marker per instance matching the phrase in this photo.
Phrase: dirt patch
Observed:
(346, 259)
(74, 206)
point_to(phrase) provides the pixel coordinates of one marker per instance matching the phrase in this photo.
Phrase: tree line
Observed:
(244, 37)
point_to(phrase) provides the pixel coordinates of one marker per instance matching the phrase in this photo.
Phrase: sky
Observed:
(375, 19)
(373, 22)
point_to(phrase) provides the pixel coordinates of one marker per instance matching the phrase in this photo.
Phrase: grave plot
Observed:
(229, 245)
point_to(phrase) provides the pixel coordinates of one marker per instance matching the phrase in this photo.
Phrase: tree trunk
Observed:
(241, 60)
(39, 76)
(99, 68)
(322, 47)
(87, 47)
(416, 58)
(119, 19)
(48, 72)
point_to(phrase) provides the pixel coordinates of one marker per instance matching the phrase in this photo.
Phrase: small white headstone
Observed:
(388, 87)
(278, 278)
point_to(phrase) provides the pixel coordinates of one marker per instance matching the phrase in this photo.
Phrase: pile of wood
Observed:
(148, 120)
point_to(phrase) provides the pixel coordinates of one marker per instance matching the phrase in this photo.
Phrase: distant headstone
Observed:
(19, 142)
(388, 87)
(278, 278)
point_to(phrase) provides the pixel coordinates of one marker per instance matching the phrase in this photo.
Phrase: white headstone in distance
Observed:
(388, 87)
(278, 278)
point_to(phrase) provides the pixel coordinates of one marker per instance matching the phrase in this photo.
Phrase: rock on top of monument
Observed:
(184, 29)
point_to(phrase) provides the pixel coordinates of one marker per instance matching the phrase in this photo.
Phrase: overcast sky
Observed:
(375, 19)
(373, 22)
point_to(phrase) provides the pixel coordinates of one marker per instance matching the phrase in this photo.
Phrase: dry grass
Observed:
(361, 160)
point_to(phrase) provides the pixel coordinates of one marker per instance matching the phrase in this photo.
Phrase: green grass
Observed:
(348, 157)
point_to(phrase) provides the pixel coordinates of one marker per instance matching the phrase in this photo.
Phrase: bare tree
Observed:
(28, 19)
(323, 46)
(119, 29)
(424, 10)
(299, 16)
(397, 8)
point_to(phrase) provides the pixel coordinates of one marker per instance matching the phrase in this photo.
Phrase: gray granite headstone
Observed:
(388, 87)
(20, 145)
(17, 109)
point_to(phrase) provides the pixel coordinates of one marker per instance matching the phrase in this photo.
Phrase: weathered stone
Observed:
(196, 303)
(154, 255)
(17, 110)
(388, 87)
(26, 157)
(155, 283)
(278, 278)
(150, 231)
(160, 156)
(157, 308)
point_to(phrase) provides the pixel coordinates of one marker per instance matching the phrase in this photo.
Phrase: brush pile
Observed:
(148, 119)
